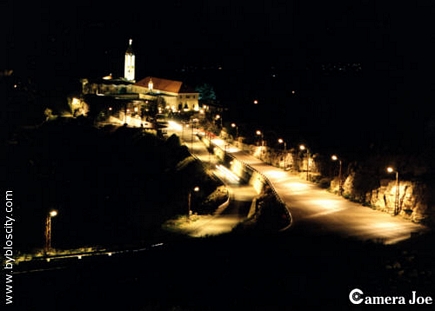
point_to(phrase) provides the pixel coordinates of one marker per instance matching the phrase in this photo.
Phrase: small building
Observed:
(174, 95)
(108, 86)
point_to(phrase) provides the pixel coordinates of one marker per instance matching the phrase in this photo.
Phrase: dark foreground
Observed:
(276, 272)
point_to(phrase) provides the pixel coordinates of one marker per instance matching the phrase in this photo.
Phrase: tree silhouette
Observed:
(206, 92)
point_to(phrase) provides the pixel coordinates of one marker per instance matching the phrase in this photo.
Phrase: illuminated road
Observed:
(316, 210)
(241, 195)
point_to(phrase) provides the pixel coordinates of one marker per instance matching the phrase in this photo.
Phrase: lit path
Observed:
(318, 211)
(241, 196)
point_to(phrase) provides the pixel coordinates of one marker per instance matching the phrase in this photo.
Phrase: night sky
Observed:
(266, 50)
(69, 37)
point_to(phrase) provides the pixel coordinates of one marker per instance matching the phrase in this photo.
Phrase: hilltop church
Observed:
(170, 96)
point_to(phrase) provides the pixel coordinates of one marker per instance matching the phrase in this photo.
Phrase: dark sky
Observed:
(67, 36)
(393, 41)
(166, 33)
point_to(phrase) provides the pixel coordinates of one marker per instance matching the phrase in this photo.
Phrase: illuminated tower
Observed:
(129, 62)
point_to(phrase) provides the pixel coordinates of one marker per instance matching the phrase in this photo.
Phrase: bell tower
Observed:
(129, 62)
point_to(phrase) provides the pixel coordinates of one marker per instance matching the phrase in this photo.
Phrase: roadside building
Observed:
(175, 96)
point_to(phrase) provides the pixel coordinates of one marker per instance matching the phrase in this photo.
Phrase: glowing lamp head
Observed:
(53, 213)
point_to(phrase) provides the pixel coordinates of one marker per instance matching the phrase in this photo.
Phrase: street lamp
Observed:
(260, 133)
(125, 114)
(218, 117)
(50, 215)
(281, 141)
(191, 137)
(189, 200)
(340, 185)
(237, 129)
(397, 194)
(302, 147)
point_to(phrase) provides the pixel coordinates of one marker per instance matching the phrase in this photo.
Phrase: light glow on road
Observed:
(231, 149)
(217, 226)
(227, 173)
(237, 167)
(174, 126)
(328, 206)
(273, 173)
(257, 152)
(218, 142)
(297, 187)
(392, 232)
(387, 226)
(326, 203)
(224, 145)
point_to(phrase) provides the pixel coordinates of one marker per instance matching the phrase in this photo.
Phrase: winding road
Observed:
(316, 210)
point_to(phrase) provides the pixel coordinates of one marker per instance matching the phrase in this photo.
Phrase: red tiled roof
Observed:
(161, 84)
(165, 85)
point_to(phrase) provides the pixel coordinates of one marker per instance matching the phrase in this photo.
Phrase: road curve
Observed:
(314, 209)
(320, 212)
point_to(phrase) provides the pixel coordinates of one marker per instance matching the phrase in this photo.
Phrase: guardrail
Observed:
(266, 181)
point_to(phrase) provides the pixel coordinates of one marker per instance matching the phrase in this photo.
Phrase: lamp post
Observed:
(125, 114)
(189, 200)
(302, 147)
(397, 193)
(50, 215)
(260, 133)
(219, 117)
(281, 141)
(191, 138)
(340, 185)
(237, 129)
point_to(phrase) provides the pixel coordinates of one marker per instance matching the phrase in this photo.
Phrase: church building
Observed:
(176, 95)
(129, 62)
(172, 96)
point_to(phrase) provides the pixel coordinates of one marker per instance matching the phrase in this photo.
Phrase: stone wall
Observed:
(413, 199)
